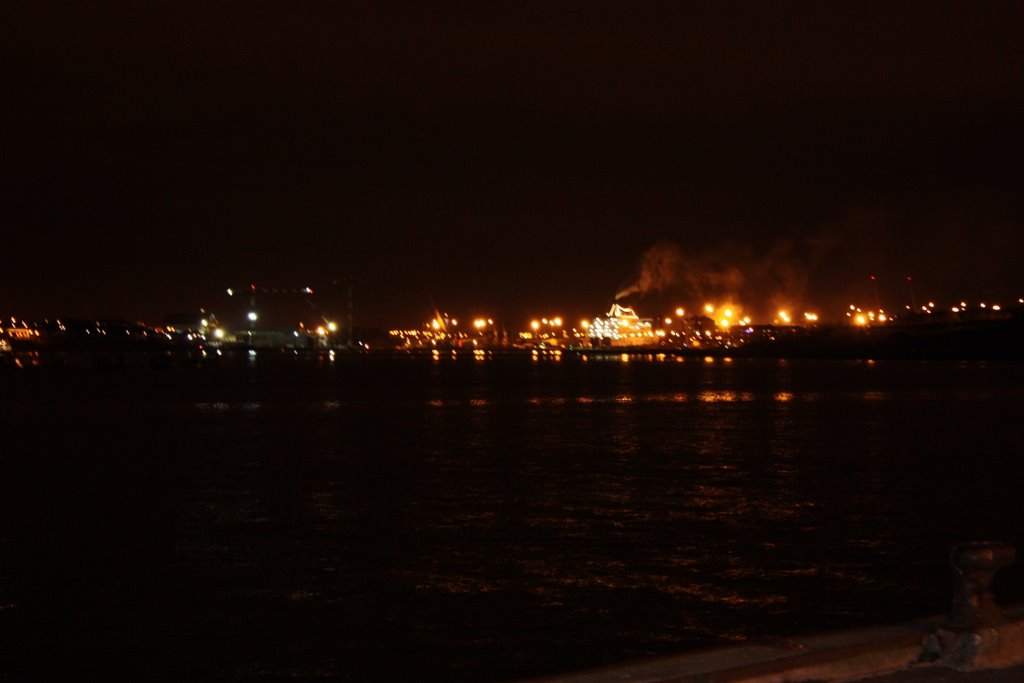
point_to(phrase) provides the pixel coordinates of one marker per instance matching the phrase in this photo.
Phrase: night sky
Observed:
(511, 159)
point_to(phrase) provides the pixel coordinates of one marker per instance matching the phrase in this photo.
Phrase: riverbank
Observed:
(929, 674)
(900, 653)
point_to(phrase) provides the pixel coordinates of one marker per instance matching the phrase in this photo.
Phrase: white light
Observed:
(332, 327)
(204, 322)
(231, 292)
(252, 316)
(218, 333)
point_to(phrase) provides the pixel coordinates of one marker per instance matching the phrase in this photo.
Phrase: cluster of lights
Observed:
(546, 329)
(863, 318)
(324, 330)
(723, 325)
(725, 315)
(442, 329)
(22, 332)
(621, 325)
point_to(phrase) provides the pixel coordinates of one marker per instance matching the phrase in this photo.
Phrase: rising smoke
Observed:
(709, 273)
(773, 277)
(660, 268)
(963, 247)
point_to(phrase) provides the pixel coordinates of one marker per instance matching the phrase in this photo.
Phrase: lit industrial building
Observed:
(621, 326)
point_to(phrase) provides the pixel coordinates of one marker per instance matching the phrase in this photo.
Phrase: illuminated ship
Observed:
(621, 326)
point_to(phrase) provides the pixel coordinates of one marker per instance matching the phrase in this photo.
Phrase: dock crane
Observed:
(307, 292)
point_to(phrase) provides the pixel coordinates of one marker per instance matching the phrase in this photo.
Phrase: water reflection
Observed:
(215, 407)
(716, 396)
(486, 507)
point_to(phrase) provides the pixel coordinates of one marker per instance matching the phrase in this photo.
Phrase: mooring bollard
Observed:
(974, 566)
(976, 635)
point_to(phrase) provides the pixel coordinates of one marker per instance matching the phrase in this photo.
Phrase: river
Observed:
(478, 518)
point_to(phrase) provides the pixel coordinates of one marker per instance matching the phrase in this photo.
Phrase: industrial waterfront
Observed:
(978, 331)
(480, 342)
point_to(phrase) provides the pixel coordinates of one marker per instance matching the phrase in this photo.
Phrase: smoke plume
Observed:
(769, 278)
(962, 248)
(660, 269)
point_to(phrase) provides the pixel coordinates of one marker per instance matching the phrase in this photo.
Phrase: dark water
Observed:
(398, 519)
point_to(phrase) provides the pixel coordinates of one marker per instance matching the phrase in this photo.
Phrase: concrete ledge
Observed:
(840, 656)
(991, 647)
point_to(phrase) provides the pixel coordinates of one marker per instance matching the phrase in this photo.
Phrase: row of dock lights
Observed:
(555, 322)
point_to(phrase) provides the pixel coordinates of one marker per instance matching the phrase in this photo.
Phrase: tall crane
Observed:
(253, 315)
(307, 292)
